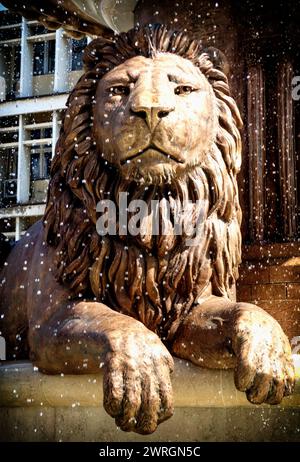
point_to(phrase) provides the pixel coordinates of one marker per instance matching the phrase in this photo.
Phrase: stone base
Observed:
(37, 407)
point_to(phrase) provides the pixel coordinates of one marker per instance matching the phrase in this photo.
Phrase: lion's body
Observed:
(169, 133)
(147, 277)
(151, 277)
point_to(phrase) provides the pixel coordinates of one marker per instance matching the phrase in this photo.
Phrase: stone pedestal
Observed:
(37, 407)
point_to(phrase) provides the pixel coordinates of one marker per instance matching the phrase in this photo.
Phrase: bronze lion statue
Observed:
(151, 117)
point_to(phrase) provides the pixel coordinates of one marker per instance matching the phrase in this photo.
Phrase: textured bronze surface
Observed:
(126, 303)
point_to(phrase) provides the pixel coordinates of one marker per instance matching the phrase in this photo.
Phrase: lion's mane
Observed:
(155, 279)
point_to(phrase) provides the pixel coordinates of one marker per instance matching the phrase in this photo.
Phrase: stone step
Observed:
(38, 407)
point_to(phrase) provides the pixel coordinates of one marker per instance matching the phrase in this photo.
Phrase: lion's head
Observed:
(152, 116)
(156, 117)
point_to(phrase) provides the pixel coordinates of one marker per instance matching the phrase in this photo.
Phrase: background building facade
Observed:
(38, 68)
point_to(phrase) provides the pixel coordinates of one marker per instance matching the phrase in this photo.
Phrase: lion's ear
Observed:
(218, 59)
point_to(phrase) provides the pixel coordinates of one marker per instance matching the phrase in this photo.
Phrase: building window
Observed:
(10, 38)
(40, 154)
(8, 164)
(40, 165)
(8, 176)
(44, 57)
(11, 54)
(37, 29)
(10, 26)
(78, 47)
(38, 133)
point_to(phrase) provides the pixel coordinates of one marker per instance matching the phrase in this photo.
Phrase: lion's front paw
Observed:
(264, 367)
(137, 385)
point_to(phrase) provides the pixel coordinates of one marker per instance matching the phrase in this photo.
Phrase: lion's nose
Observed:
(152, 115)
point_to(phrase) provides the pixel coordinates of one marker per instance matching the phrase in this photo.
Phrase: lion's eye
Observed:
(183, 90)
(119, 90)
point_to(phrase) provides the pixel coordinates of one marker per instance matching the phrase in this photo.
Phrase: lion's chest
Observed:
(157, 291)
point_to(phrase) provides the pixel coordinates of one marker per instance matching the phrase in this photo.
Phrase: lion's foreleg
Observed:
(219, 333)
(136, 365)
(204, 336)
(73, 340)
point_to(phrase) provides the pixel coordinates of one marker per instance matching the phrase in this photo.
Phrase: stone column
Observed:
(257, 149)
(18, 228)
(287, 163)
(62, 61)
(26, 72)
(55, 131)
(23, 180)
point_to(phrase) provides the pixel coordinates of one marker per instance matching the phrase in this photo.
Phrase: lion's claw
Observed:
(264, 367)
(137, 385)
